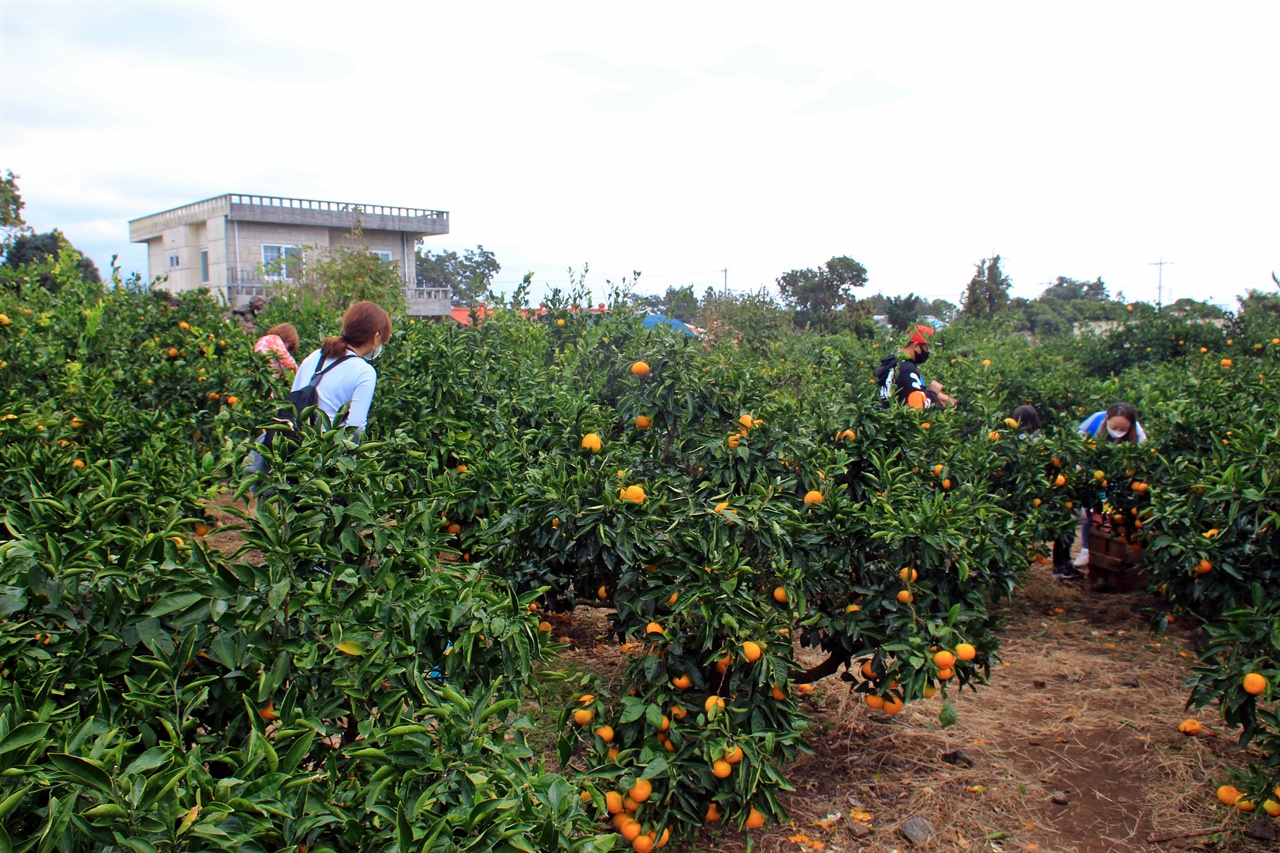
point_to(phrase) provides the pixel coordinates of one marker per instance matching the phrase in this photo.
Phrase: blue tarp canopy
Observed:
(653, 320)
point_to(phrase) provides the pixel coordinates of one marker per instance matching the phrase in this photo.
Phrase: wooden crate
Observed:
(1114, 565)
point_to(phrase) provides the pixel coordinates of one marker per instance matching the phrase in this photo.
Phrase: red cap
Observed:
(918, 336)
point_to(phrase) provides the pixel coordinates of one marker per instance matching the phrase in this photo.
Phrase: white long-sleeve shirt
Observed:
(352, 382)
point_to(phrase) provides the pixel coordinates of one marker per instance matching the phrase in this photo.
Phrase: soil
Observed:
(1084, 708)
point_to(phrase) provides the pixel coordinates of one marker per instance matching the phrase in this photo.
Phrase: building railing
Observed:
(244, 284)
(199, 211)
(337, 206)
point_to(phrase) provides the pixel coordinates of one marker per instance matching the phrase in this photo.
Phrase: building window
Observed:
(385, 256)
(204, 265)
(175, 261)
(277, 260)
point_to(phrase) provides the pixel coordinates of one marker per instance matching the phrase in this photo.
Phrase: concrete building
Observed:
(236, 244)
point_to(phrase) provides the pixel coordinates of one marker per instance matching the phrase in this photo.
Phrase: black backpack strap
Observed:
(321, 370)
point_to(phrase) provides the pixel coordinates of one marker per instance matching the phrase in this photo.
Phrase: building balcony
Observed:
(423, 298)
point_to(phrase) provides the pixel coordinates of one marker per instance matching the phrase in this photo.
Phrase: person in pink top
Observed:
(280, 341)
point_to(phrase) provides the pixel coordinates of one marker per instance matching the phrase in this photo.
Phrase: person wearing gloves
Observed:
(899, 375)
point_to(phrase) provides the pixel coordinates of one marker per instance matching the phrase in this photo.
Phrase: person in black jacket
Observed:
(899, 375)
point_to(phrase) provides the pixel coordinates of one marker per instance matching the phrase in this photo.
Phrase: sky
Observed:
(703, 143)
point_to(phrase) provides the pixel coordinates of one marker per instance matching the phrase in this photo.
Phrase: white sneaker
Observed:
(1082, 559)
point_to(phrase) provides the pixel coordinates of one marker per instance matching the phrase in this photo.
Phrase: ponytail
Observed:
(335, 347)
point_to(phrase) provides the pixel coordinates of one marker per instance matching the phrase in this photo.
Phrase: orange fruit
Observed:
(605, 733)
(713, 701)
(634, 494)
(653, 628)
(1060, 480)
(993, 435)
(1035, 502)
(232, 400)
(630, 829)
(78, 463)
(930, 691)
(641, 790)
(1246, 805)
(780, 594)
(892, 705)
(454, 528)
(1228, 795)
(812, 497)
(269, 713)
(1271, 807)
(944, 660)
(721, 769)
(905, 596)
(755, 820)
(908, 575)
(544, 626)
(613, 802)
(733, 441)
(173, 352)
(560, 322)
(966, 652)
(946, 484)
(873, 701)
(1139, 486)
(946, 674)
(1226, 362)
(1190, 727)
(723, 664)
(1204, 567)
(847, 435)
(747, 421)
(804, 689)
(924, 425)
(665, 837)
(852, 608)
(582, 716)
(679, 712)
(643, 422)
(777, 693)
(682, 682)
(592, 442)
(733, 754)
(640, 369)
(1254, 684)
(462, 469)
(713, 813)
(751, 651)
(202, 530)
(665, 724)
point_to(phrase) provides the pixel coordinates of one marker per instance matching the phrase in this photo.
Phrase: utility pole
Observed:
(726, 281)
(1160, 281)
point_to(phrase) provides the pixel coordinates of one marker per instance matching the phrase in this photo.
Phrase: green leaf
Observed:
(23, 735)
(12, 800)
(947, 716)
(173, 603)
(82, 771)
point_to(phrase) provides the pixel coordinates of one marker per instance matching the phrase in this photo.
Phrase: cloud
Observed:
(862, 91)
(645, 83)
(761, 61)
(193, 37)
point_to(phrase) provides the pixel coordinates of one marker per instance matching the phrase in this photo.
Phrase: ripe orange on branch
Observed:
(640, 369)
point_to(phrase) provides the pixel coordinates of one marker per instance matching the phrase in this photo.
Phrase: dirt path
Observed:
(1086, 703)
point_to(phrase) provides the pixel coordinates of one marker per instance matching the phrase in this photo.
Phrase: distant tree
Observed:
(1260, 304)
(942, 309)
(467, 276)
(1193, 309)
(26, 249)
(988, 292)
(682, 303)
(11, 203)
(816, 294)
(902, 311)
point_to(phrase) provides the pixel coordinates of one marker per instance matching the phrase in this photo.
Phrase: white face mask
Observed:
(1117, 433)
(377, 351)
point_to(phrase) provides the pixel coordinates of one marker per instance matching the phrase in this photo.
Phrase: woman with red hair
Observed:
(340, 369)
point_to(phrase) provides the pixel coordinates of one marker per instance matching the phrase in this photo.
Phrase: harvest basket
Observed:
(1114, 564)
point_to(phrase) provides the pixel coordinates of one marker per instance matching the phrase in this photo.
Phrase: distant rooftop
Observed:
(293, 211)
